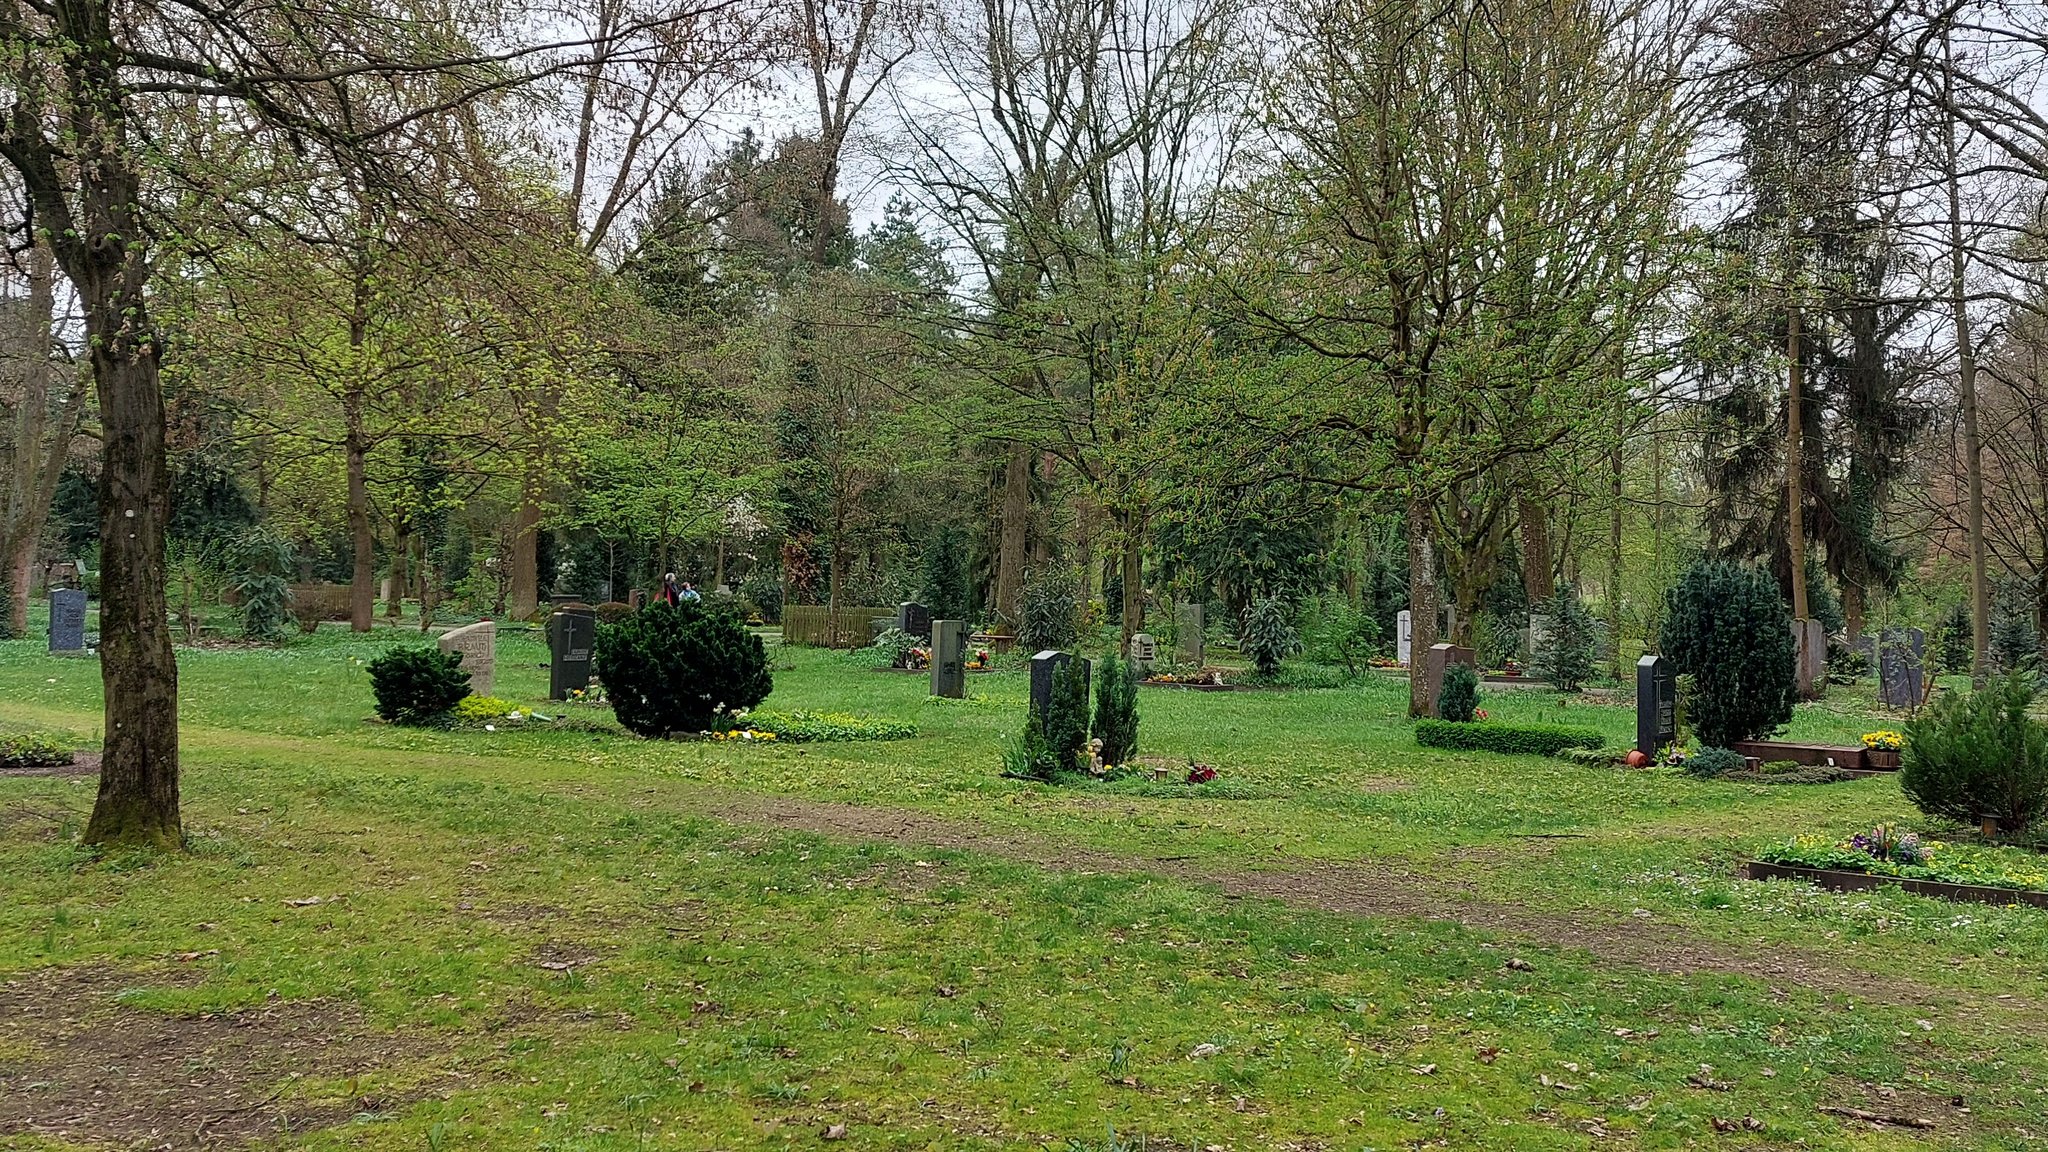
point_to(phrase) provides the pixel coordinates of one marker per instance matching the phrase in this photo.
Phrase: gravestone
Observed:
(1656, 704)
(1434, 662)
(1043, 667)
(564, 599)
(636, 598)
(1539, 633)
(914, 618)
(478, 644)
(949, 659)
(1144, 653)
(571, 633)
(1404, 633)
(1901, 669)
(1188, 626)
(1810, 658)
(67, 620)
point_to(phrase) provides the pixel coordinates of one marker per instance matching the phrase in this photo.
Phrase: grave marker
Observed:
(1188, 626)
(1404, 632)
(1656, 704)
(1043, 667)
(949, 659)
(1901, 668)
(67, 620)
(914, 618)
(571, 634)
(1143, 654)
(478, 644)
(1434, 662)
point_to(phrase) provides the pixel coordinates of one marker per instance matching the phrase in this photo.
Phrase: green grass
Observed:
(735, 987)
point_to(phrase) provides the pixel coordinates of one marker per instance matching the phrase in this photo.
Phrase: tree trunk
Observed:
(525, 559)
(362, 591)
(1016, 535)
(836, 576)
(138, 794)
(1131, 574)
(1795, 463)
(1537, 566)
(1966, 384)
(33, 462)
(401, 551)
(1854, 609)
(1422, 601)
(1616, 490)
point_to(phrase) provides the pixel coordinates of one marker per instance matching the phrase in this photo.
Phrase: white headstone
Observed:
(1404, 628)
(478, 644)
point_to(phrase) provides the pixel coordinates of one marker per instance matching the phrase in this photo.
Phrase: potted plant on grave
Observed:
(1881, 748)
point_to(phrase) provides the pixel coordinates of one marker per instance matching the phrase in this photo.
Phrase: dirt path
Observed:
(1390, 892)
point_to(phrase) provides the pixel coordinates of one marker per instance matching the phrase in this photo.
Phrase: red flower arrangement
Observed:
(1200, 773)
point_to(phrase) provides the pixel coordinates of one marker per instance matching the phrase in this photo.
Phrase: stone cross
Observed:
(1404, 632)
(1435, 661)
(478, 644)
(1043, 667)
(67, 620)
(571, 634)
(949, 659)
(1188, 630)
(1656, 704)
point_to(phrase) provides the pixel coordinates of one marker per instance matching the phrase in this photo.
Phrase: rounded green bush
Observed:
(680, 668)
(1727, 627)
(417, 685)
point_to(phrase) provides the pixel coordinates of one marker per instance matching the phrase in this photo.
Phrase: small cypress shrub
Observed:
(1956, 639)
(1572, 647)
(1049, 616)
(1727, 627)
(1269, 637)
(1116, 711)
(1066, 717)
(1029, 754)
(947, 589)
(1978, 755)
(262, 562)
(685, 667)
(1459, 697)
(417, 685)
(2013, 645)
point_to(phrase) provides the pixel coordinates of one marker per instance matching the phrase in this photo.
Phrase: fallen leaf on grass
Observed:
(1487, 1055)
(1204, 1051)
(305, 902)
(1424, 1070)
(835, 1132)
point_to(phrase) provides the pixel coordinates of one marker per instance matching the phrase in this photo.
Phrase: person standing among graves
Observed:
(691, 594)
(670, 594)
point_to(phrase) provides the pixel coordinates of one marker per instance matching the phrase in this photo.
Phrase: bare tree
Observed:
(42, 398)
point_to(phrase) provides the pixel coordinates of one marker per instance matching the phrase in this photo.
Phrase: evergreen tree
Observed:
(946, 588)
(1726, 626)
(1572, 647)
(1116, 711)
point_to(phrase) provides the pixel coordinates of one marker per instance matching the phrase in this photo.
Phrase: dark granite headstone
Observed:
(67, 620)
(1434, 662)
(571, 632)
(949, 658)
(914, 618)
(1043, 667)
(1656, 704)
(1901, 668)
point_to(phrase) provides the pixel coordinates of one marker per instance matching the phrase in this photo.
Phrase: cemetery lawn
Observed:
(566, 938)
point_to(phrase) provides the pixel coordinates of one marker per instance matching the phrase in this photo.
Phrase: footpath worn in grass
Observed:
(547, 938)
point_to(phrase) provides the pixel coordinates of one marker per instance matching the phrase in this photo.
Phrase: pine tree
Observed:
(1570, 651)
(947, 590)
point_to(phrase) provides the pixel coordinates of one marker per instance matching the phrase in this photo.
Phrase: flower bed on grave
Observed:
(1884, 856)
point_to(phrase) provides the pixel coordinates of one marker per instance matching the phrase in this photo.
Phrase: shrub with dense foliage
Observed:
(613, 611)
(1531, 739)
(1727, 627)
(33, 750)
(829, 727)
(1047, 609)
(1571, 648)
(1334, 631)
(1978, 755)
(1066, 717)
(417, 685)
(947, 588)
(1458, 700)
(1116, 710)
(1268, 636)
(1708, 763)
(262, 562)
(673, 668)
(894, 648)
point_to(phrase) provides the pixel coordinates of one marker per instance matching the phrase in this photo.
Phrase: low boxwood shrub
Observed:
(1530, 739)
(685, 667)
(417, 685)
(824, 727)
(32, 750)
